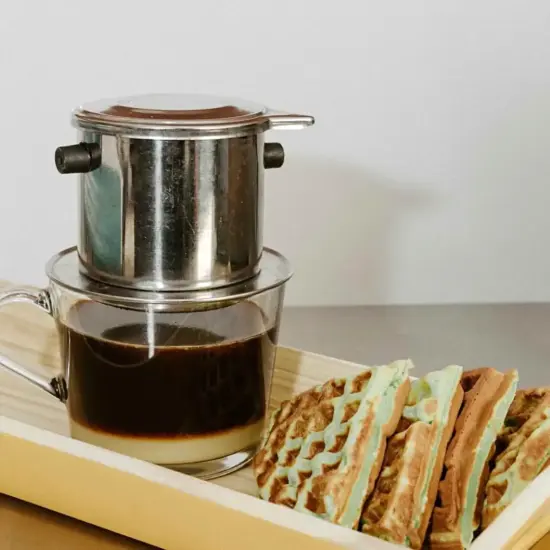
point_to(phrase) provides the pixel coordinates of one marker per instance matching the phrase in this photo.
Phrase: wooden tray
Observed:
(39, 464)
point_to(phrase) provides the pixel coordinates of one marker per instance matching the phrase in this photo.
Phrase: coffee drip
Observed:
(168, 308)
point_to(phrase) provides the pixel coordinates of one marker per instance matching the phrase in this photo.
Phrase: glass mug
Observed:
(184, 389)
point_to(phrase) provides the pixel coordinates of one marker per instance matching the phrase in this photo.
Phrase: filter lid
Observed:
(182, 116)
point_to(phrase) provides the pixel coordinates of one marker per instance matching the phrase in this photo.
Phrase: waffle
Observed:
(488, 395)
(400, 507)
(323, 450)
(524, 406)
(525, 451)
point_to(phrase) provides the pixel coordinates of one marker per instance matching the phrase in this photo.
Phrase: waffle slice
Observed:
(525, 451)
(323, 450)
(400, 507)
(488, 395)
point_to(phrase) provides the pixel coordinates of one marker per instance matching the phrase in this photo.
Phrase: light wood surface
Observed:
(29, 336)
(150, 503)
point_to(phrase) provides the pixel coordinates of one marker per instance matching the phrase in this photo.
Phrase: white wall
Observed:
(426, 178)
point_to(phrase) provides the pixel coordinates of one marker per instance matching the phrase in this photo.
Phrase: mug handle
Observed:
(40, 298)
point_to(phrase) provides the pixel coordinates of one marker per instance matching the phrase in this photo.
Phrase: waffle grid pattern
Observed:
(524, 446)
(311, 443)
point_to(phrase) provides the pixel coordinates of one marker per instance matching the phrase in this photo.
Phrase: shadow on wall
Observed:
(339, 225)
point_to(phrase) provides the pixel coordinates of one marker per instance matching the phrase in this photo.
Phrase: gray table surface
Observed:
(504, 336)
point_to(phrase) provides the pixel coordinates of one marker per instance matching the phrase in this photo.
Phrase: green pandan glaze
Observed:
(515, 483)
(379, 393)
(489, 436)
(443, 386)
(429, 402)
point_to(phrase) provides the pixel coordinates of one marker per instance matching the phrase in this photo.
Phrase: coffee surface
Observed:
(166, 375)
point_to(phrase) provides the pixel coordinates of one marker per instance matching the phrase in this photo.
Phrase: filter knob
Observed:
(78, 159)
(274, 155)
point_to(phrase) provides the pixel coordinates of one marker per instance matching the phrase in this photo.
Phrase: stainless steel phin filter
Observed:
(171, 189)
(169, 307)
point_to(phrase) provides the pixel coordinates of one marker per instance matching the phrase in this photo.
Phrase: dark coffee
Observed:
(172, 375)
